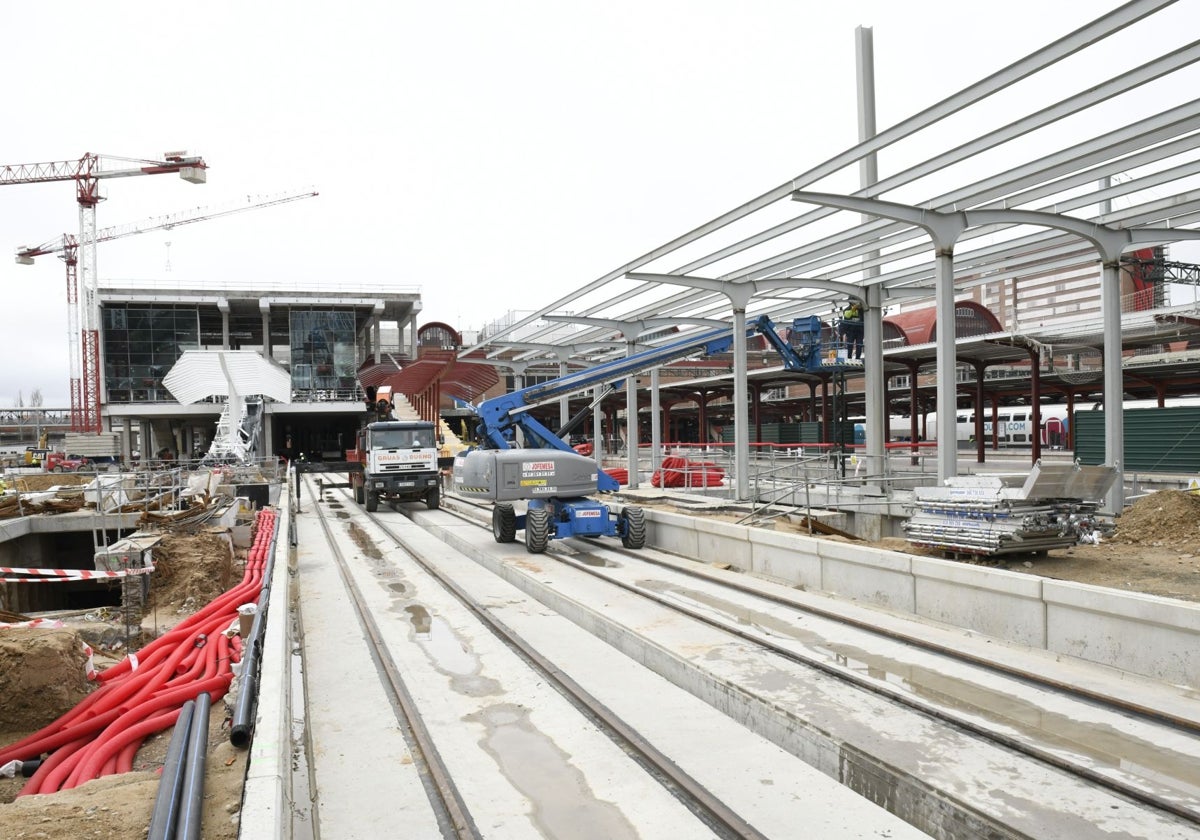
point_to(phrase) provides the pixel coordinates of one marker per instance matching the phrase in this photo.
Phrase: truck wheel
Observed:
(372, 502)
(360, 495)
(57, 469)
(537, 530)
(433, 499)
(633, 534)
(504, 523)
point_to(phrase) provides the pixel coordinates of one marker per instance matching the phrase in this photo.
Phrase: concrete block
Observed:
(1145, 634)
(790, 558)
(867, 574)
(999, 603)
(671, 532)
(722, 542)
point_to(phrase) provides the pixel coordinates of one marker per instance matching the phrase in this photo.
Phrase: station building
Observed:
(321, 338)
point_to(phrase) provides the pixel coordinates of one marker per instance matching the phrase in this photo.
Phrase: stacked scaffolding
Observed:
(988, 515)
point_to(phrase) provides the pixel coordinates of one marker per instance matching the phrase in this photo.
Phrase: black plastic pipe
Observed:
(243, 711)
(191, 814)
(170, 786)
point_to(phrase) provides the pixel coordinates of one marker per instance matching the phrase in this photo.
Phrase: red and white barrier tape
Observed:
(59, 575)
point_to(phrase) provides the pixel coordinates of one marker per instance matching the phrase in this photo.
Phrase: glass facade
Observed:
(323, 351)
(141, 343)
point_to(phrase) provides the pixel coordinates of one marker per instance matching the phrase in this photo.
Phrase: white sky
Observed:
(493, 154)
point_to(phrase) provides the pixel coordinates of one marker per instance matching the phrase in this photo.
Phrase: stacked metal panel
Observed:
(988, 515)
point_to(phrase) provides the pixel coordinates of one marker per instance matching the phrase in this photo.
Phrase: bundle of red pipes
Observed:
(619, 474)
(682, 472)
(143, 693)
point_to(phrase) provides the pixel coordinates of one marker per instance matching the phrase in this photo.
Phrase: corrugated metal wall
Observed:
(1156, 439)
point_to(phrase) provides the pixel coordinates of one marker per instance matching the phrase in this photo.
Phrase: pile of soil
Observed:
(190, 570)
(44, 481)
(41, 676)
(119, 807)
(1165, 518)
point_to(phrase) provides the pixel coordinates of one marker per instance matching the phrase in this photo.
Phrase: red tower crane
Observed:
(83, 327)
(67, 244)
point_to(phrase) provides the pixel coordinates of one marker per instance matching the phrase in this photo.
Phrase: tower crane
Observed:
(83, 336)
(67, 245)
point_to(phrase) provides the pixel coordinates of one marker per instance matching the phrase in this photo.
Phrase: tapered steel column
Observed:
(655, 423)
(632, 436)
(947, 364)
(741, 415)
(1114, 380)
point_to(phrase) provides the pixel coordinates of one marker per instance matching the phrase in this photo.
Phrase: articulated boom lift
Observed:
(554, 478)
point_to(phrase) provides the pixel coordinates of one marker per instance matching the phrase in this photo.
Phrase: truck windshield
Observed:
(402, 439)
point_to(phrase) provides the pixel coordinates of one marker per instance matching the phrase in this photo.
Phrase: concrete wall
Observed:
(1143, 634)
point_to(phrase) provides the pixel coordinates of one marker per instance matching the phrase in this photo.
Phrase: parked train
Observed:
(1014, 427)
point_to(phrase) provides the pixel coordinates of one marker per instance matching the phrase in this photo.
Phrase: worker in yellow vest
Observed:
(852, 329)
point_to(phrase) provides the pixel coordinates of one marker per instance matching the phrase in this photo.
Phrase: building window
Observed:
(322, 349)
(141, 343)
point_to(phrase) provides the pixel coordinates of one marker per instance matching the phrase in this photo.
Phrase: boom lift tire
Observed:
(372, 502)
(504, 523)
(633, 532)
(537, 530)
(433, 499)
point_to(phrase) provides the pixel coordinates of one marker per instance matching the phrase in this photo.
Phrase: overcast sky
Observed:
(493, 155)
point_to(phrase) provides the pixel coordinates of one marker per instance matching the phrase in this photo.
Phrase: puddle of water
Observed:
(563, 804)
(398, 586)
(593, 560)
(420, 620)
(341, 514)
(1101, 744)
(450, 655)
(363, 540)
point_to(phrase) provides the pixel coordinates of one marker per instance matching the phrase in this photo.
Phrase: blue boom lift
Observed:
(554, 478)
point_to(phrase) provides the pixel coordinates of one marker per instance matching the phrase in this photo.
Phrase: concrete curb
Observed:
(1147, 635)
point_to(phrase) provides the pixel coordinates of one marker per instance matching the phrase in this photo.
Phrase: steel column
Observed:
(947, 365)
(741, 418)
(632, 436)
(1114, 385)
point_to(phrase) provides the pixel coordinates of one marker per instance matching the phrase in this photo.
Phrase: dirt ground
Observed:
(119, 807)
(42, 677)
(1155, 549)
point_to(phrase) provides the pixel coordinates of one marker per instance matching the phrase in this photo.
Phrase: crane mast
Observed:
(83, 301)
(67, 247)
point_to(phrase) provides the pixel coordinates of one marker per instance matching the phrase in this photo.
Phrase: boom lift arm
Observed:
(500, 416)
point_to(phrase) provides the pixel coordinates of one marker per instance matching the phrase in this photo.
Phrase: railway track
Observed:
(682, 806)
(986, 701)
(843, 696)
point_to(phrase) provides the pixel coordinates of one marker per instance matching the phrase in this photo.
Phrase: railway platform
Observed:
(383, 662)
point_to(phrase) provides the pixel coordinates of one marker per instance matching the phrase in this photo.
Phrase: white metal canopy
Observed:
(1119, 151)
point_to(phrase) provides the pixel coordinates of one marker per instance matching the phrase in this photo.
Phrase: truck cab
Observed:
(398, 463)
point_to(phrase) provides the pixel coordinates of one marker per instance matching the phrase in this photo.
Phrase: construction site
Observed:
(877, 503)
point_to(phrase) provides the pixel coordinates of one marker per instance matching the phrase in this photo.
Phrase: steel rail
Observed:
(447, 802)
(687, 790)
(898, 696)
(1040, 680)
